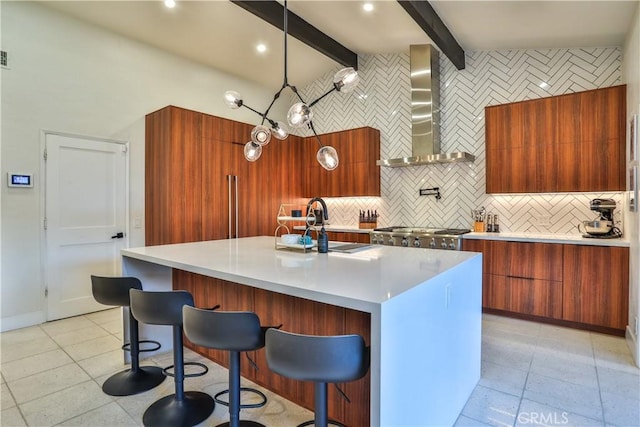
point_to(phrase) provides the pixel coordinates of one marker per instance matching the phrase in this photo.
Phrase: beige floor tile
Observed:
(501, 353)
(20, 349)
(569, 370)
(63, 326)
(80, 335)
(43, 383)
(22, 335)
(6, 400)
(136, 405)
(537, 414)
(621, 411)
(507, 324)
(12, 418)
(104, 364)
(492, 407)
(110, 415)
(105, 316)
(572, 398)
(114, 327)
(94, 347)
(34, 364)
(62, 406)
(606, 358)
(464, 421)
(502, 378)
(626, 384)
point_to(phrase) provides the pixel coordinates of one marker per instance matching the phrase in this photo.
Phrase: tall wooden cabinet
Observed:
(566, 143)
(200, 187)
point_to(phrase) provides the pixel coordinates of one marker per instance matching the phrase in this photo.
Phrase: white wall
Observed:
(66, 76)
(631, 75)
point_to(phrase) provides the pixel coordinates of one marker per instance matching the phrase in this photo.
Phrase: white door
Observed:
(85, 210)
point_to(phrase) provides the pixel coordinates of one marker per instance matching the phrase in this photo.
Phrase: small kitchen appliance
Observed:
(603, 227)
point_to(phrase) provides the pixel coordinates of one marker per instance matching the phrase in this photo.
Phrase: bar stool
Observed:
(182, 408)
(321, 359)
(236, 332)
(114, 291)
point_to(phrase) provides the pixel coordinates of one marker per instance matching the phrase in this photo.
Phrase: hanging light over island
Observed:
(300, 115)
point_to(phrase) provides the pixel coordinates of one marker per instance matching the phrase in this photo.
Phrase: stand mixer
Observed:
(603, 227)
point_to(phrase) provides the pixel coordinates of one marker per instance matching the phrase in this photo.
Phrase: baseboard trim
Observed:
(21, 321)
(632, 343)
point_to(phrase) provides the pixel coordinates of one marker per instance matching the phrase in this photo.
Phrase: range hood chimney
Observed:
(425, 113)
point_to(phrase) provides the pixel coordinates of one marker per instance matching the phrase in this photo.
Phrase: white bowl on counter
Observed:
(289, 239)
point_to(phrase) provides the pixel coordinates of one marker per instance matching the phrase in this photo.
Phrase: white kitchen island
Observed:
(424, 305)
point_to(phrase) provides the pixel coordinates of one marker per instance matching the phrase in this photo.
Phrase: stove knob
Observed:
(432, 244)
(452, 244)
(405, 242)
(390, 241)
(443, 245)
(416, 242)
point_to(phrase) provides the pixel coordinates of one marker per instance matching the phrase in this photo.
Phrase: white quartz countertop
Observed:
(362, 280)
(571, 239)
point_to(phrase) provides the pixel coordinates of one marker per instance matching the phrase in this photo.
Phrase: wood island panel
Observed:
(295, 315)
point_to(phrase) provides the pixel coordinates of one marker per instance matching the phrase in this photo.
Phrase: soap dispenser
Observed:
(323, 241)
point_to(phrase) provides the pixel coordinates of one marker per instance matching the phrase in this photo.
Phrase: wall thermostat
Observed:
(19, 179)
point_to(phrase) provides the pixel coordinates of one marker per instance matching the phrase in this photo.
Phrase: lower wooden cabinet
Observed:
(575, 285)
(522, 295)
(596, 285)
(340, 236)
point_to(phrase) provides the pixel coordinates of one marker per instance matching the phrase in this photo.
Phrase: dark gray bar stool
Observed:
(236, 332)
(321, 359)
(114, 291)
(181, 409)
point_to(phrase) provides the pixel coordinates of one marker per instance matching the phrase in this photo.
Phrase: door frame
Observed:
(43, 203)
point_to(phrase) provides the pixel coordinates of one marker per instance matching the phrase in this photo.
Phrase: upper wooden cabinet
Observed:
(566, 143)
(357, 173)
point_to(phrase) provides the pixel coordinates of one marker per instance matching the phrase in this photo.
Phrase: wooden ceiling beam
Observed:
(427, 18)
(273, 12)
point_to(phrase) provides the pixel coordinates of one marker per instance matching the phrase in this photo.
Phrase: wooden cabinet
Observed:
(573, 142)
(339, 236)
(198, 185)
(523, 277)
(357, 173)
(573, 285)
(596, 285)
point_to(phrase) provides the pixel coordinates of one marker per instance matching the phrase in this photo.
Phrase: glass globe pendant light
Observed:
(261, 135)
(279, 131)
(327, 156)
(346, 80)
(299, 115)
(252, 152)
(233, 99)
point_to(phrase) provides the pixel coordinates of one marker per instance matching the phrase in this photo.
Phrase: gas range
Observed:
(416, 237)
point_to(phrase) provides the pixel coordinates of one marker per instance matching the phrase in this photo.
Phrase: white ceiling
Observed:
(222, 35)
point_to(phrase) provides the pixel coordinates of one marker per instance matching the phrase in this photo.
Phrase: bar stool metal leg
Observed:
(181, 408)
(138, 379)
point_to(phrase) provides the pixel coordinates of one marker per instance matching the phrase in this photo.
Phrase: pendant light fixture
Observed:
(300, 114)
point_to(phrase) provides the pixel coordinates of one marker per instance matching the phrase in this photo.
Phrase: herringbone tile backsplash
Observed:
(382, 101)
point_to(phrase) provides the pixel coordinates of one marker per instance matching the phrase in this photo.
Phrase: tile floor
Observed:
(532, 374)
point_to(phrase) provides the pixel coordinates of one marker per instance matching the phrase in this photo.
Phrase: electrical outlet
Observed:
(544, 220)
(137, 222)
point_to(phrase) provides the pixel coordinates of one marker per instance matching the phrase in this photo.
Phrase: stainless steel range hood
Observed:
(425, 113)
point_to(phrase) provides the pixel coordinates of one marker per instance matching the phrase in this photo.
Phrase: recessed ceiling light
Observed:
(170, 3)
(368, 7)
(261, 47)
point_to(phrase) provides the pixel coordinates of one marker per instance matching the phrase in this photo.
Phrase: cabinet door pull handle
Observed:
(520, 277)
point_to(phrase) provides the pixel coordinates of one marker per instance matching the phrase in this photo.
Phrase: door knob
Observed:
(118, 235)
